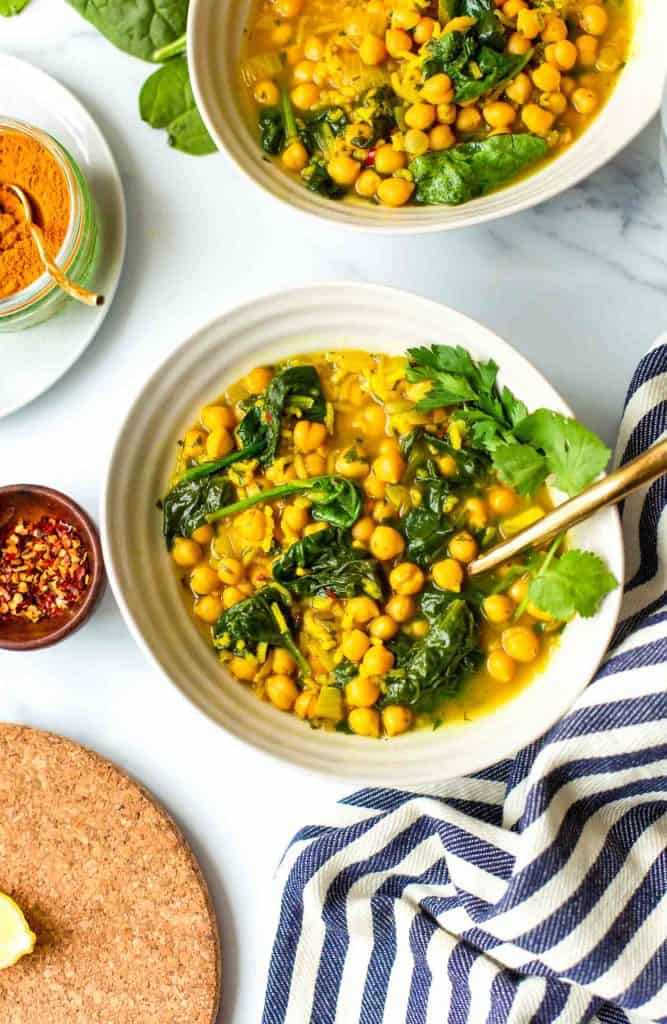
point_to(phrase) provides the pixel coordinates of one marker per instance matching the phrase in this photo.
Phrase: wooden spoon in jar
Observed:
(75, 291)
(608, 491)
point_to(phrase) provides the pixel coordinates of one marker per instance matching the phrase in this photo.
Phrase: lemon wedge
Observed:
(16, 938)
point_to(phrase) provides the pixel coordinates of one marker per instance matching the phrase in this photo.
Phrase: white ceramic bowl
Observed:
(308, 319)
(215, 30)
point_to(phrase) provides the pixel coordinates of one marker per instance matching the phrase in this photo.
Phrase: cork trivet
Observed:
(126, 932)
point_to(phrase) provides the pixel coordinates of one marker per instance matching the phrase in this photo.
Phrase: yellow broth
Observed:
(370, 406)
(342, 55)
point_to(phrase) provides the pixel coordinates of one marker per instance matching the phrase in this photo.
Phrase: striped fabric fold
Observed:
(534, 891)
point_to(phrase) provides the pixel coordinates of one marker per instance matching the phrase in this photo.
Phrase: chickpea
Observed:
(382, 510)
(537, 613)
(419, 628)
(468, 120)
(305, 96)
(547, 78)
(242, 668)
(555, 102)
(519, 590)
(283, 664)
(217, 417)
(208, 608)
(521, 643)
(383, 628)
(281, 35)
(498, 608)
(529, 23)
(554, 30)
(463, 547)
(416, 142)
(232, 596)
(204, 580)
(361, 609)
(447, 113)
(203, 534)
(251, 525)
(305, 705)
(568, 85)
(230, 571)
(520, 89)
(389, 444)
(406, 578)
(309, 436)
(315, 464)
(362, 529)
(372, 51)
(218, 443)
(386, 543)
(351, 464)
(282, 692)
(364, 722)
(500, 666)
(401, 607)
(388, 160)
(476, 513)
(587, 49)
(563, 54)
(344, 170)
(258, 380)
(353, 645)
(448, 575)
(609, 60)
(584, 101)
(405, 17)
(438, 89)
(518, 44)
(447, 465)
(395, 191)
(376, 661)
(536, 120)
(194, 444)
(423, 31)
(186, 553)
(374, 488)
(499, 115)
(362, 692)
(367, 183)
(303, 72)
(420, 115)
(374, 419)
(396, 719)
(441, 137)
(389, 467)
(594, 20)
(321, 74)
(294, 519)
(512, 8)
(397, 42)
(501, 500)
(289, 8)
(313, 48)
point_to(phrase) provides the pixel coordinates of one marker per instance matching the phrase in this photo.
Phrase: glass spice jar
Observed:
(78, 253)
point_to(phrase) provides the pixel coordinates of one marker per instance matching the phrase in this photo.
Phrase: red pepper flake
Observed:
(267, 416)
(370, 157)
(44, 570)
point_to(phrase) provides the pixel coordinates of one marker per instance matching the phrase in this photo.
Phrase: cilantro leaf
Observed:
(520, 466)
(575, 455)
(576, 582)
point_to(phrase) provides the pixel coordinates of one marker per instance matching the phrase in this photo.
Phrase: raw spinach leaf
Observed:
(324, 564)
(139, 27)
(271, 130)
(166, 101)
(472, 169)
(185, 507)
(10, 7)
(264, 618)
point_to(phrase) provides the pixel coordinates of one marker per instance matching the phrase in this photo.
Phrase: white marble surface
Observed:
(579, 285)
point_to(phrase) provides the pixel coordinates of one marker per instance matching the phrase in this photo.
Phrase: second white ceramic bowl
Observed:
(310, 319)
(215, 31)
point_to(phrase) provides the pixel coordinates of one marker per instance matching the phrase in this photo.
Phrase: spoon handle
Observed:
(608, 491)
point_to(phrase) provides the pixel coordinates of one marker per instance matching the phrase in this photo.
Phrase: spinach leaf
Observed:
(139, 28)
(185, 506)
(497, 70)
(344, 671)
(271, 130)
(427, 534)
(333, 500)
(489, 28)
(325, 564)
(295, 391)
(11, 7)
(377, 108)
(265, 617)
(436, 664)
(319, 132)
(166, 101)
(449, 53)
(472, 169)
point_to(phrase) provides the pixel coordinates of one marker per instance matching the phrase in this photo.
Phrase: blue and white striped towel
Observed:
(535, 891)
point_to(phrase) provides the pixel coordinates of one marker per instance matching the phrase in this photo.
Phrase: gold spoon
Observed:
(611, 489)
(76, 291)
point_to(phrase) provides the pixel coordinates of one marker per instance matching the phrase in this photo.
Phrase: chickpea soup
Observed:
(411, 101)
(321, 517)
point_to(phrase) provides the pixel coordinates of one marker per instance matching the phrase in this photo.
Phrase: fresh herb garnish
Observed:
(576, 582)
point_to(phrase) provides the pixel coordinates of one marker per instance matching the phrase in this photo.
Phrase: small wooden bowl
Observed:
(32, 502)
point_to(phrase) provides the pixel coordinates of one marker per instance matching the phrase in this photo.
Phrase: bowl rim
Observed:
(340, 770)
(319, 213)
(83, 522)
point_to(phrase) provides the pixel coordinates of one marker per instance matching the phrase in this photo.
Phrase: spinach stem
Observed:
(208, 468)
(289, 120)
(173, 49)
(273, 492)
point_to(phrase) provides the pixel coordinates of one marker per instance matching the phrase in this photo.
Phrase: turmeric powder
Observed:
(25, 162)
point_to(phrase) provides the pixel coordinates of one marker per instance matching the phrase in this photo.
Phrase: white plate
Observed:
(313, 318)
(34, 359)
(215, 33)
